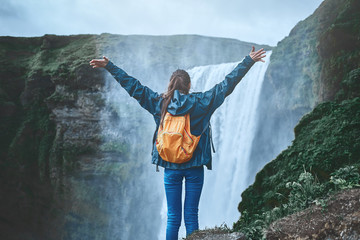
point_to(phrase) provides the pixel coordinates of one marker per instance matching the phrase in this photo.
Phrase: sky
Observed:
(258, 21)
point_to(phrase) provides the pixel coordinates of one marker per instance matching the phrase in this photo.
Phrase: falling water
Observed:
(234, 125)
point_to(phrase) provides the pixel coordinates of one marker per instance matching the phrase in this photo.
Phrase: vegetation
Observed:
(304, 192)
(327, 143)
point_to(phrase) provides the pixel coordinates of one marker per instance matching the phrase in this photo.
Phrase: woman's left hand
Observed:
(99, 63)
(258, 55)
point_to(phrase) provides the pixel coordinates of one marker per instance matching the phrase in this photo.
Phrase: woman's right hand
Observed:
(258, 55)
(99, 63)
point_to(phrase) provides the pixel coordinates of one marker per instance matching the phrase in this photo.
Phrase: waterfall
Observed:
(234, 125)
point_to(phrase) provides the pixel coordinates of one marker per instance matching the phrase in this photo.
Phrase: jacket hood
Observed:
(181, 103)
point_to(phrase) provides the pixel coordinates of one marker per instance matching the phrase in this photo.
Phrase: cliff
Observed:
(322, 59)
(42, 88)
(306, 69)
(57, 152)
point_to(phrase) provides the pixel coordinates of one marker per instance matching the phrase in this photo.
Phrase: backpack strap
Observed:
(153, 143)
(154, 138)
(208, 125)
(211, 139)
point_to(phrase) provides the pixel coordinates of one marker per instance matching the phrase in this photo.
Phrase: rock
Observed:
(340, 219)
(7, 109)
(38, 86)
(214, 234)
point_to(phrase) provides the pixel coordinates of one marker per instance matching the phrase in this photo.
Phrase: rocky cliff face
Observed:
(306, 69)
(56, 157)
(322, 59)
(34, 154)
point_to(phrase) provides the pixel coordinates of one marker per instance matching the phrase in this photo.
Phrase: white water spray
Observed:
(129, 181)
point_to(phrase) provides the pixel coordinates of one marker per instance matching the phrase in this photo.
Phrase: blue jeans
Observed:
(194, 179)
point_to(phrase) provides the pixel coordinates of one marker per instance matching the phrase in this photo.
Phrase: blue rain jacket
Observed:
(200, 105)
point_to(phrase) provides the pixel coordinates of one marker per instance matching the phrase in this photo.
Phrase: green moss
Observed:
(31, 54)
(72, 55)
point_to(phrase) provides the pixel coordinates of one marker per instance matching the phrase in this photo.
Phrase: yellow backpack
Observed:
(174, 141)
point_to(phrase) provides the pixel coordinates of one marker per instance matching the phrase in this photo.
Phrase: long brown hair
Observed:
(180, 80)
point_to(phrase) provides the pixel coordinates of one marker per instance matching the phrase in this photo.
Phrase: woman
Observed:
(178, 102)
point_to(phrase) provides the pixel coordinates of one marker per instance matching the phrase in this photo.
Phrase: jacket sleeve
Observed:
(213, 98)
(146, 97)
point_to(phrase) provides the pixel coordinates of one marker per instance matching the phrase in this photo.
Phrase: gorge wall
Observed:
(300, 76)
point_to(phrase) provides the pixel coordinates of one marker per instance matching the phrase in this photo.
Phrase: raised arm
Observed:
(147, 98)
(213, 98)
